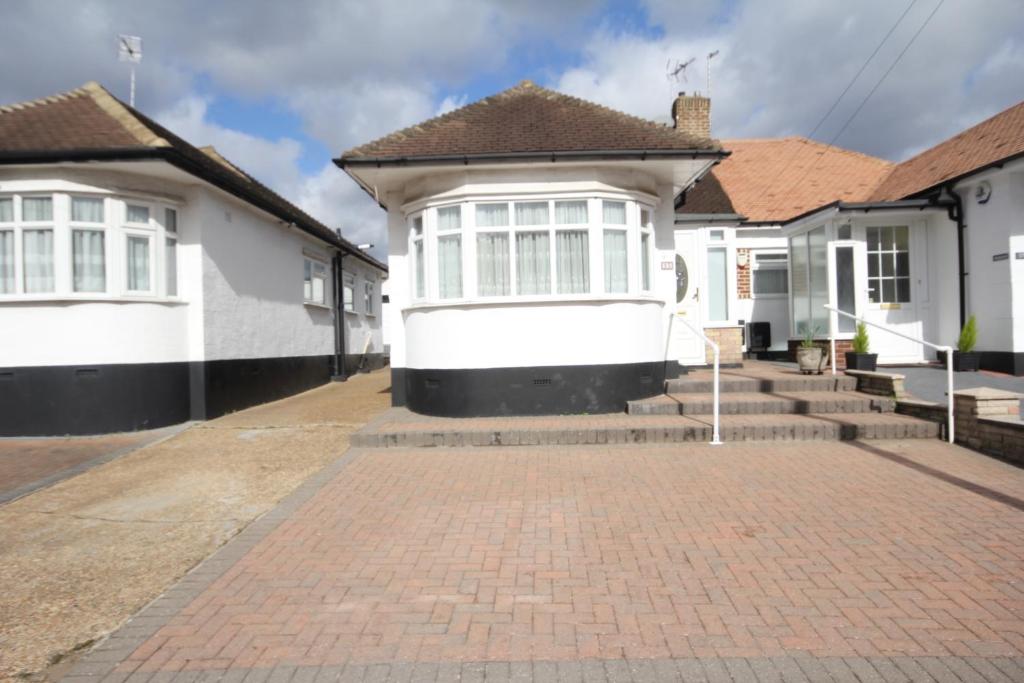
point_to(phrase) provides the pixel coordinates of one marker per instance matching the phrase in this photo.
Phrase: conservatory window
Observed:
(888, 264)
(492, 251)
(809, 277)
(449, 252)
(770, 275)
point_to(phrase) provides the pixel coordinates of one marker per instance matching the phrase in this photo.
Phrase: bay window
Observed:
(85, 246)
(532, 248)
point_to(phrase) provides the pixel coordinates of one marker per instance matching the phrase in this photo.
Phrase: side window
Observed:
(314, 285)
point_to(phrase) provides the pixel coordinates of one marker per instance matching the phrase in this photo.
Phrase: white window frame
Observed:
(778, 264)
(171, 236)
(440, 234)
(12, 227)
(418, 269)
(25, 225)
(310, 299)
(880, 277)
(509, 231)
(620, 228)
(150, 236)
(646, 274)
(369, 290)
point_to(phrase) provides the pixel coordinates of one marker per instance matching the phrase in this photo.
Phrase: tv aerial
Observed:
(676, 71)
(129, 49)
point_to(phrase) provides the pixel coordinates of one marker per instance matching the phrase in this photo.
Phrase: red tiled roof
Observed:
(989, 142)
(773, 180)
(90, 123)
(528, 118)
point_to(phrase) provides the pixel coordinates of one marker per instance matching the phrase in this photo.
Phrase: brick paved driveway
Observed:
(749, 561)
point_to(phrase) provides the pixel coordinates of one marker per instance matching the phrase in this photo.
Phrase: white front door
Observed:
(686, 346)
(891, 291)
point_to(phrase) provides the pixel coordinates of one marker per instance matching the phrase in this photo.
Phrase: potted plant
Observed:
(859, 358)
(809, 356)
(965, 358)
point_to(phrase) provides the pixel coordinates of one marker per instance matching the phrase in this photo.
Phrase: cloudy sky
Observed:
(282, 86)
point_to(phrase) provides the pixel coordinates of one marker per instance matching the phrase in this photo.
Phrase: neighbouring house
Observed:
(549, 255)
(145, 282)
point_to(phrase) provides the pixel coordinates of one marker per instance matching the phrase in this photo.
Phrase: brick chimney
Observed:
(692, 114)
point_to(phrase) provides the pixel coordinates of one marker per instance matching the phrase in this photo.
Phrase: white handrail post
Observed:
(715, 352)
(950, 436)
(715, 440)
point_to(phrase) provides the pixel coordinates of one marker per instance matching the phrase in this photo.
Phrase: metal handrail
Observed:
(715, 440)
(948, 349)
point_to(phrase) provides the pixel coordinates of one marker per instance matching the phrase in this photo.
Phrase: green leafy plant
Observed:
(808, 340)
(861, 344)
(968, 336)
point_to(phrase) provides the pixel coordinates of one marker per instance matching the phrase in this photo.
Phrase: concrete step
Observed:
(757, 403)
(404, 429)
(729, 382)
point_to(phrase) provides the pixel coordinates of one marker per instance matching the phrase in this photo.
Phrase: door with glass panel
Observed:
(890, 296)
(685, 346)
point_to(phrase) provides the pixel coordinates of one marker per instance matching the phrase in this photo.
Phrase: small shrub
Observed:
(861, 344)
(968, 336)
(808, 340)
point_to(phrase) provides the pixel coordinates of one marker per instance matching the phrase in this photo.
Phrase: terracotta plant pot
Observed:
(809, 358)
(861, 361)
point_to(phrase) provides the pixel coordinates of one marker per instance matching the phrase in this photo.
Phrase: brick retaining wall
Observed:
(730, 345)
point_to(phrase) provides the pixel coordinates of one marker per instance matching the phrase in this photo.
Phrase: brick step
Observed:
(702, 382)
(404, 429)
(756, 403)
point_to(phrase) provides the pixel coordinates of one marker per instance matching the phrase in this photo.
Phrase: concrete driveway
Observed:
(746, 562)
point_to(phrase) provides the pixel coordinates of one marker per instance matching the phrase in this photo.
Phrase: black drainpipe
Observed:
(340, 374)
(956, 213)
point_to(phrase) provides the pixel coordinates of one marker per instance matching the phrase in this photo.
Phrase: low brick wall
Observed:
(879, 383)
(988, 420)
(730, 345)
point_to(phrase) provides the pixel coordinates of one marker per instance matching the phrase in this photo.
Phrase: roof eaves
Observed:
(524, 157)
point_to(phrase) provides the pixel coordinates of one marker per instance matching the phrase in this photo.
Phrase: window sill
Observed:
(68, 298)
(351, 311)
(775, 297)
(536, 300)
(316, 304)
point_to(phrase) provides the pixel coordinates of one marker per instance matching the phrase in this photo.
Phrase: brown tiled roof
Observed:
(773, 180)
(987, 143)
(528, 118)
(90, 123)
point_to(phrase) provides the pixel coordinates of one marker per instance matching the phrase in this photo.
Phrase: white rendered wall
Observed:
(990, 227)
(253, 285)
(71, 330)
(939, 299)
(363, 329)
(525, 335)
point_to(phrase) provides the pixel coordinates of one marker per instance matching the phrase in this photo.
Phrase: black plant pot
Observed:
(861, 361)
(966, 361)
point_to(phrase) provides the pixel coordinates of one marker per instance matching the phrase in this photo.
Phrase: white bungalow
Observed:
(145, 282)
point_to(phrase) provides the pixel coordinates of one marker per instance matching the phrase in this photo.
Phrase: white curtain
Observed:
(571, 213)
(38, 257)
(138, 264)
(616, 277)
(533, 262)
(138, 214)
(493, 277)
(449, 266)
(87, 209)
(573, 257)
(645, 259)
(171, 250)
(6, 261)
(37, 209)
(491, 215)
(88, 260)
(420, 277)
(449, 218)
(6, 210)
(614, 213)
(532, 213)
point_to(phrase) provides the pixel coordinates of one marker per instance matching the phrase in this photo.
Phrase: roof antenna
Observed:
(711, 55)
(677, 71)
(129, 49)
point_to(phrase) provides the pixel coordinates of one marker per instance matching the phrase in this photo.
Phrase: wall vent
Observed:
(540, 382)
(87, 372)
(432, 383)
